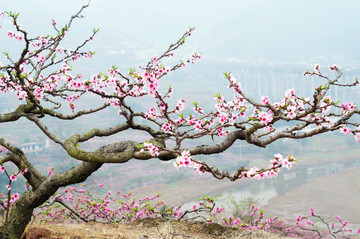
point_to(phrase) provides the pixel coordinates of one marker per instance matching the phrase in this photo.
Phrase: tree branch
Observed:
(76, 115)
(22, 110)
(45, 129)
(18, 157)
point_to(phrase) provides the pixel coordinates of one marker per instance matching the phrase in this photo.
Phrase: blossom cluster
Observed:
(17, 36)
(51, 171)
(185, 160)
(92, 209)
(123, 207)
(154, 151)
(10, 198)
(13, 198)
(347, 107)
(145, 81)
(273, 169)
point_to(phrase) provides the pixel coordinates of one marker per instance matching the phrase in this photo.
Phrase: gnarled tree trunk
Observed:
(22, 210)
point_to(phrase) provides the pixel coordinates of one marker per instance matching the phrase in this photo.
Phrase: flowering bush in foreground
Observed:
(80, 205)
(42, 78)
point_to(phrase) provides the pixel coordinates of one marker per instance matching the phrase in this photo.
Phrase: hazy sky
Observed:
(278, 30)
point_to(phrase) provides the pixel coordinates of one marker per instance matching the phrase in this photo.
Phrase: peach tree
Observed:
(41, 77)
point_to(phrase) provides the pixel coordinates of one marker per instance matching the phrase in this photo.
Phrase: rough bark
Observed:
(22, 210)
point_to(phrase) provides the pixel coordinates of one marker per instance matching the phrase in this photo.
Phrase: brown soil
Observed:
(152, 229)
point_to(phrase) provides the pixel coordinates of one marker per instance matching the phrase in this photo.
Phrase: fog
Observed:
(276, 31)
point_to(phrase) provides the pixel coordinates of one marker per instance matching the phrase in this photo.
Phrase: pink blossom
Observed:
(347, 107)
(265, 118)
(151, 113)
(191, 121)
(198, 125)
(333, 68)
(289, 93)
(72, 106)
(69, 98)
(312, 212)
(15, 197)
(51, 171)
(184, 160)
(265, 100)
(60, 50)
(13, 177)
(221, 133)
(357, 137)
(10, 34)
(39, 92)
(299, 218)
(21, 95)
(180, 106)
(345, 130)
(316, 67)
(344, 224)
(223, 118)
(166, 127)
(268, 128)
(27, 185)
(154, 151)
(179, 121)
(114, 103)
(198, 110)
(18, 37)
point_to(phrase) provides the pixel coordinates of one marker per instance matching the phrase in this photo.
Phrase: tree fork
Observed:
(21, 211)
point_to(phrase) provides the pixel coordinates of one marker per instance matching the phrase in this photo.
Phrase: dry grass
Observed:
(152, 229)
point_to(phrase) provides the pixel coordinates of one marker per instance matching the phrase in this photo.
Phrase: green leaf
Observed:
(217, 95)
(132, 70)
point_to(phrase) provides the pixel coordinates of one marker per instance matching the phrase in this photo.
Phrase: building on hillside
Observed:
(34, 147)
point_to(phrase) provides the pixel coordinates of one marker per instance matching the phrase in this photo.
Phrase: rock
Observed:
(36, 233)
